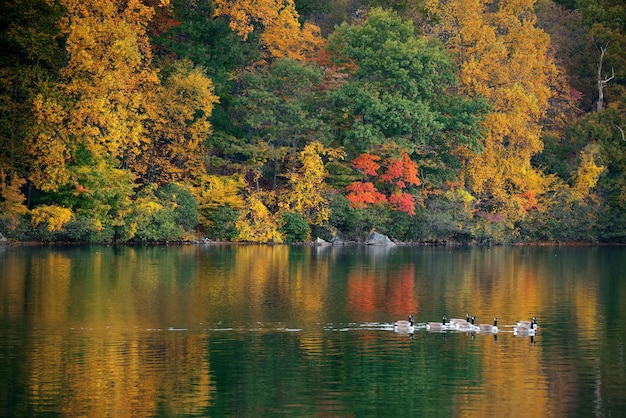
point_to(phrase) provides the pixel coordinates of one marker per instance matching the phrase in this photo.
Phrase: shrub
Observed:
(295, 227)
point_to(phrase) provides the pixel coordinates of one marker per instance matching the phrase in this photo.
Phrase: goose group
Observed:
(467, 324)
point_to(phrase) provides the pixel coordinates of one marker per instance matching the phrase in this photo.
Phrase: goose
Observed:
(532, 324)
(438, 326)
(467, 325)
(405, 326)
(526, 327)
(455, 321)
(489, 328)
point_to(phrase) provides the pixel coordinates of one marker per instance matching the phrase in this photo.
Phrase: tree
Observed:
(281, 34)
(399, 88)
(30, 54)
(504, 58)
(178, 124)
(399, 173)
(305, 194)
(276, 108)
(97, 111)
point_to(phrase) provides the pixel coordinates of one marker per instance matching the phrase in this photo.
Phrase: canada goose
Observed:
(532, 324)
(467, 325)
(526, 327)
(405, 326)
(455, 321)
(438, 326)
(489, 328)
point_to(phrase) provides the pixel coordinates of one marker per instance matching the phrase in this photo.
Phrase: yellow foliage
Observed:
(282, 35)
(55, 217)
(504, 58)
(307, 185)
(177, 124)
(49, 145)
(11, 199)
(588, 171)
(100, 105)
(215, 191)
(256, 223)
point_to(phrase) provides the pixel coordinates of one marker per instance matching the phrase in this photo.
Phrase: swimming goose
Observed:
(526, 327)
(489, 328)
(438, 326)
(405, 326)
(467, 325)
(455, 321)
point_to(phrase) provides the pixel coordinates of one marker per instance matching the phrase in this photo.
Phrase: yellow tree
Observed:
(177, 123)
(97, 111)
(504, 58)
(306, 193)
(280, 33)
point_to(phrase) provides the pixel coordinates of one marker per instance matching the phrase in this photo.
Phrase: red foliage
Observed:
(395, 169)
(404, 169)
(367, 164)
(404, 202)
(359, 194)
(410, 170)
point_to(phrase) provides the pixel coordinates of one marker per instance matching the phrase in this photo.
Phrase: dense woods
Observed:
(283, 120)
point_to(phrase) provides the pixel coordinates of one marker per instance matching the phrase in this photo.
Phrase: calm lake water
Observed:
(305, 331)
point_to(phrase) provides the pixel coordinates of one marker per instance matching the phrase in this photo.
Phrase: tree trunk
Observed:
(602, 82)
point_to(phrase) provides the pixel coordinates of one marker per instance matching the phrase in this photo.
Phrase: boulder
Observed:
(378, 239)
(3, 240)
(319, 241)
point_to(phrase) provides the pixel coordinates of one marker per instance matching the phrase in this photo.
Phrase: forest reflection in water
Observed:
(287, 330)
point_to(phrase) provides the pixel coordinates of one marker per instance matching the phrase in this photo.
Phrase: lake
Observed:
(248, 330)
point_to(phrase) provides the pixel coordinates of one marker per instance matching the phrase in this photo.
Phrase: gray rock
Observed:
(320, 241)
(379, 239)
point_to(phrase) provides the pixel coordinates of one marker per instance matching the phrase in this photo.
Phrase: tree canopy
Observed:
(280, 120)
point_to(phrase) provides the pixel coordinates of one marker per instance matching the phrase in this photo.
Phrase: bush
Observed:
(185, 205)
(222, 223)
(295, 227)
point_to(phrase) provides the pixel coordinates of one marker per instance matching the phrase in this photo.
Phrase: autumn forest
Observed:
(468, 121)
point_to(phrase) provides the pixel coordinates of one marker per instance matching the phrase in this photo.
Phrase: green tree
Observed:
(276, 108)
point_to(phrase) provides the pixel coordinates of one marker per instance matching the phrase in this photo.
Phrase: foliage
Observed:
(295, 227)
(463, 120)
(221, 223)
(256, 223)
(305, 194)
(182, 203)
(178, 125)
(503, 57)
(282, 35)
(12, 208)
(52, 217)
(399, 173)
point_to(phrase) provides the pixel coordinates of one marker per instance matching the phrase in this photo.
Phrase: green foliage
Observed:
(357, 223)
(222, 223)
(183, 205)
(295, 227)
(395, 78)
(449, 216)
(280, 117)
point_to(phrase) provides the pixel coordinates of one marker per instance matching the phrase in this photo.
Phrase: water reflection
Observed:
(197, 330)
